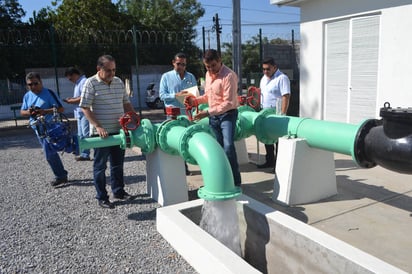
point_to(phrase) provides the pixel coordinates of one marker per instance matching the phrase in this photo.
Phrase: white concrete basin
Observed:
(271, 241)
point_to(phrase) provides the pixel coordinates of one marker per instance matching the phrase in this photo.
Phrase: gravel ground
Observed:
(63, 230)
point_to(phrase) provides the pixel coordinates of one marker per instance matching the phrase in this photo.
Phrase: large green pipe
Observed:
(331, 136)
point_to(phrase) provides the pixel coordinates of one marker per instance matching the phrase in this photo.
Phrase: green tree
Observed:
(171, 15)
(84, 18)
(11, 14)
(41, 19)
(171, 19)
(250, 53)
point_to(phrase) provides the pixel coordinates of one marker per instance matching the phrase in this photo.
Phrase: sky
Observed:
(274, 21)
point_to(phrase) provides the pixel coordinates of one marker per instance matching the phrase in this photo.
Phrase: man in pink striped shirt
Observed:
(221, 90)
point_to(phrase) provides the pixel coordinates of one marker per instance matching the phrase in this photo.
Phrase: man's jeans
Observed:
(83, 130)
(53, 158)
(224, 127)
(116, 157)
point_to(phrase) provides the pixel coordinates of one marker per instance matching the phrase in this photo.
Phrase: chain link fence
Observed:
(49, 52)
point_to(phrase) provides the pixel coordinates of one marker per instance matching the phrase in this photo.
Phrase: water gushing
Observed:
(220, 219)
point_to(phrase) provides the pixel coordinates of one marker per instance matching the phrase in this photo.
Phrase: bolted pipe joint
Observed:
(186, 136)
(143, 136)
(167, 135)
(387, 142)
(245, 122)
(263, 122)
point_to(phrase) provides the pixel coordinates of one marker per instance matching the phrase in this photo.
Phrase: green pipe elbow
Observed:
(197, 146)
(215, 168)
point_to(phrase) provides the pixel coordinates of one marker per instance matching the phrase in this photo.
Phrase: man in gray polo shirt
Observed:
(104, 100)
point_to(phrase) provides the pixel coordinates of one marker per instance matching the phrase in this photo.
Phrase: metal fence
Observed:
(50, 52)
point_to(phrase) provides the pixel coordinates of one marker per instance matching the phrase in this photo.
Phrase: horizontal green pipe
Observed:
(96, 142)
(331, 136)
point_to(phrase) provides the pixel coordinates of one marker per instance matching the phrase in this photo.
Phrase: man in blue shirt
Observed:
(74, 75)
(41, 101)
(174, 81)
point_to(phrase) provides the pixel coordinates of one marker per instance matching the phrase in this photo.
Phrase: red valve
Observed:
(195, 104)
(172, 112)
(129, 121)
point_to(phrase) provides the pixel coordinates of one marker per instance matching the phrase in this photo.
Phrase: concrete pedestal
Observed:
(166, 178)
(303, 174)
(241, 152)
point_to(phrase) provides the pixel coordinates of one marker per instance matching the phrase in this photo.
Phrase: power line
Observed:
(267, 24)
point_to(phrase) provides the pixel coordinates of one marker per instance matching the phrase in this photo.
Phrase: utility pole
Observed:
(218, 30)
(204, 41)
(237, 42)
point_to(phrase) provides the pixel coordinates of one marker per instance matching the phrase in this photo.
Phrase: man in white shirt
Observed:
(275, 93)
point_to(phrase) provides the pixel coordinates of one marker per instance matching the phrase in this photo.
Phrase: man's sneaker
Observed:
(265, 165)
(123, 195)
(106, 204)
(58, 182)
(80, 158)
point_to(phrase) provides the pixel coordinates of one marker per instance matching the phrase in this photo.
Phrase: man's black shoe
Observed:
(106, 204)
(80, 158)
(58, 182)
(265, 165)
(123, 195)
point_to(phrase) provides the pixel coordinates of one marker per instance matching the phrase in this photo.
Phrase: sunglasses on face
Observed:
(181, 64)
(33, 84)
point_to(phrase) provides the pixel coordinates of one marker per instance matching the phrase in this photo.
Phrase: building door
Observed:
(351, 69)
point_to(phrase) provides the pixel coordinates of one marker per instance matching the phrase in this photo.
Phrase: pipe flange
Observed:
(259, 130)
(240, 133)
(245, 108)
(204, 194)
(148, 135)
(359, 153)
(161, 136)
(184, 140)
(184, 121)
(125, 140)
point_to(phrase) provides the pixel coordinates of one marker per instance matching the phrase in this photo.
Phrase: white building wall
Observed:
(395, 66)
(395, 71)
(311, 70)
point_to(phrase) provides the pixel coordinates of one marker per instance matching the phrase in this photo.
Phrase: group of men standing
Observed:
(102, 99)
